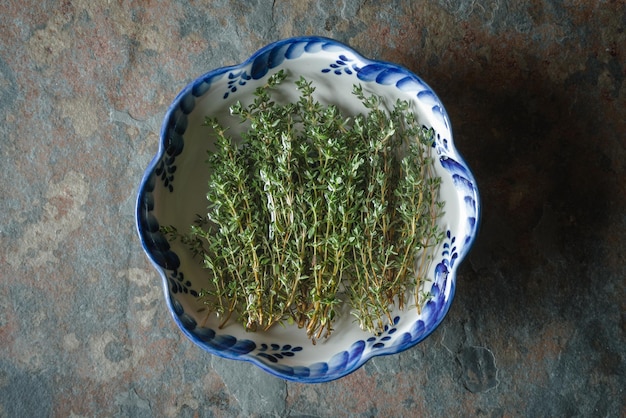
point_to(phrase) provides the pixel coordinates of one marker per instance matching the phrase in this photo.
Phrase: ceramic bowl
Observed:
(173, 191)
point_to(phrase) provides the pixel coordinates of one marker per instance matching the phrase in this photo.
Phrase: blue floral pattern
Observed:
(379, 341)
(178, 284)
(342, 66)
(285, 360)
(275, 352)
(235, 79)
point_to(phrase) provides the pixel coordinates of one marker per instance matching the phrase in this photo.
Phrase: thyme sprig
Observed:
(314, 209)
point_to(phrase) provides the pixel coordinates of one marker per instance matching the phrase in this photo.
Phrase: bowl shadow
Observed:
(541, 157)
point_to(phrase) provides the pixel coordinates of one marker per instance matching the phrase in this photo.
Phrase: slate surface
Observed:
(536, 94)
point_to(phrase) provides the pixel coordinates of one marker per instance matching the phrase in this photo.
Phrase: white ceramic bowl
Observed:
(173, 191)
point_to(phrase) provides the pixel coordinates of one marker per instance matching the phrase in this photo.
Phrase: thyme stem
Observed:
(315, 209)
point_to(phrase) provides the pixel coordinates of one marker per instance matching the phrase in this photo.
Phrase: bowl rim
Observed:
(263, 58)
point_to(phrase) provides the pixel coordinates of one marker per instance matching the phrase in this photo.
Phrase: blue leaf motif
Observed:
(370, 72)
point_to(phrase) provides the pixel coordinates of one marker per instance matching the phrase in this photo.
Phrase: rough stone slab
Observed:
(536, 95)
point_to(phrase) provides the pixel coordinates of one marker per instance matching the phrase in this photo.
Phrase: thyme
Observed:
(315, 209)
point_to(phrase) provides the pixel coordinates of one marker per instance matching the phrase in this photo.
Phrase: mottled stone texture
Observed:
(536, 94)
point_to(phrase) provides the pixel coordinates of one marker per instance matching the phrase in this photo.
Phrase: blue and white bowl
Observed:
(173, 191)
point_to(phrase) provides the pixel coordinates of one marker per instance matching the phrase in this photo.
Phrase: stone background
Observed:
(536, 94)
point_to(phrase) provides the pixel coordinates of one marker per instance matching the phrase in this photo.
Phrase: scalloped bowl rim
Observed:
(378, 70)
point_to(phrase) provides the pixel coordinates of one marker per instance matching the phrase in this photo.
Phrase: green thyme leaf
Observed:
(315, 209)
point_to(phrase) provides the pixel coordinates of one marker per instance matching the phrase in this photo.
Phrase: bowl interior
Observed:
(173, 192)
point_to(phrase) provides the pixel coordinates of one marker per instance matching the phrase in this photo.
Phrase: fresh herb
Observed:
(315, 209)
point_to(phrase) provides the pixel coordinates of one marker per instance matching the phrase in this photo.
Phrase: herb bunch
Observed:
(315, 209)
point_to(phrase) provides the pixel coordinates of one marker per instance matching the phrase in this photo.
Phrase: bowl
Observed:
(173, 191)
